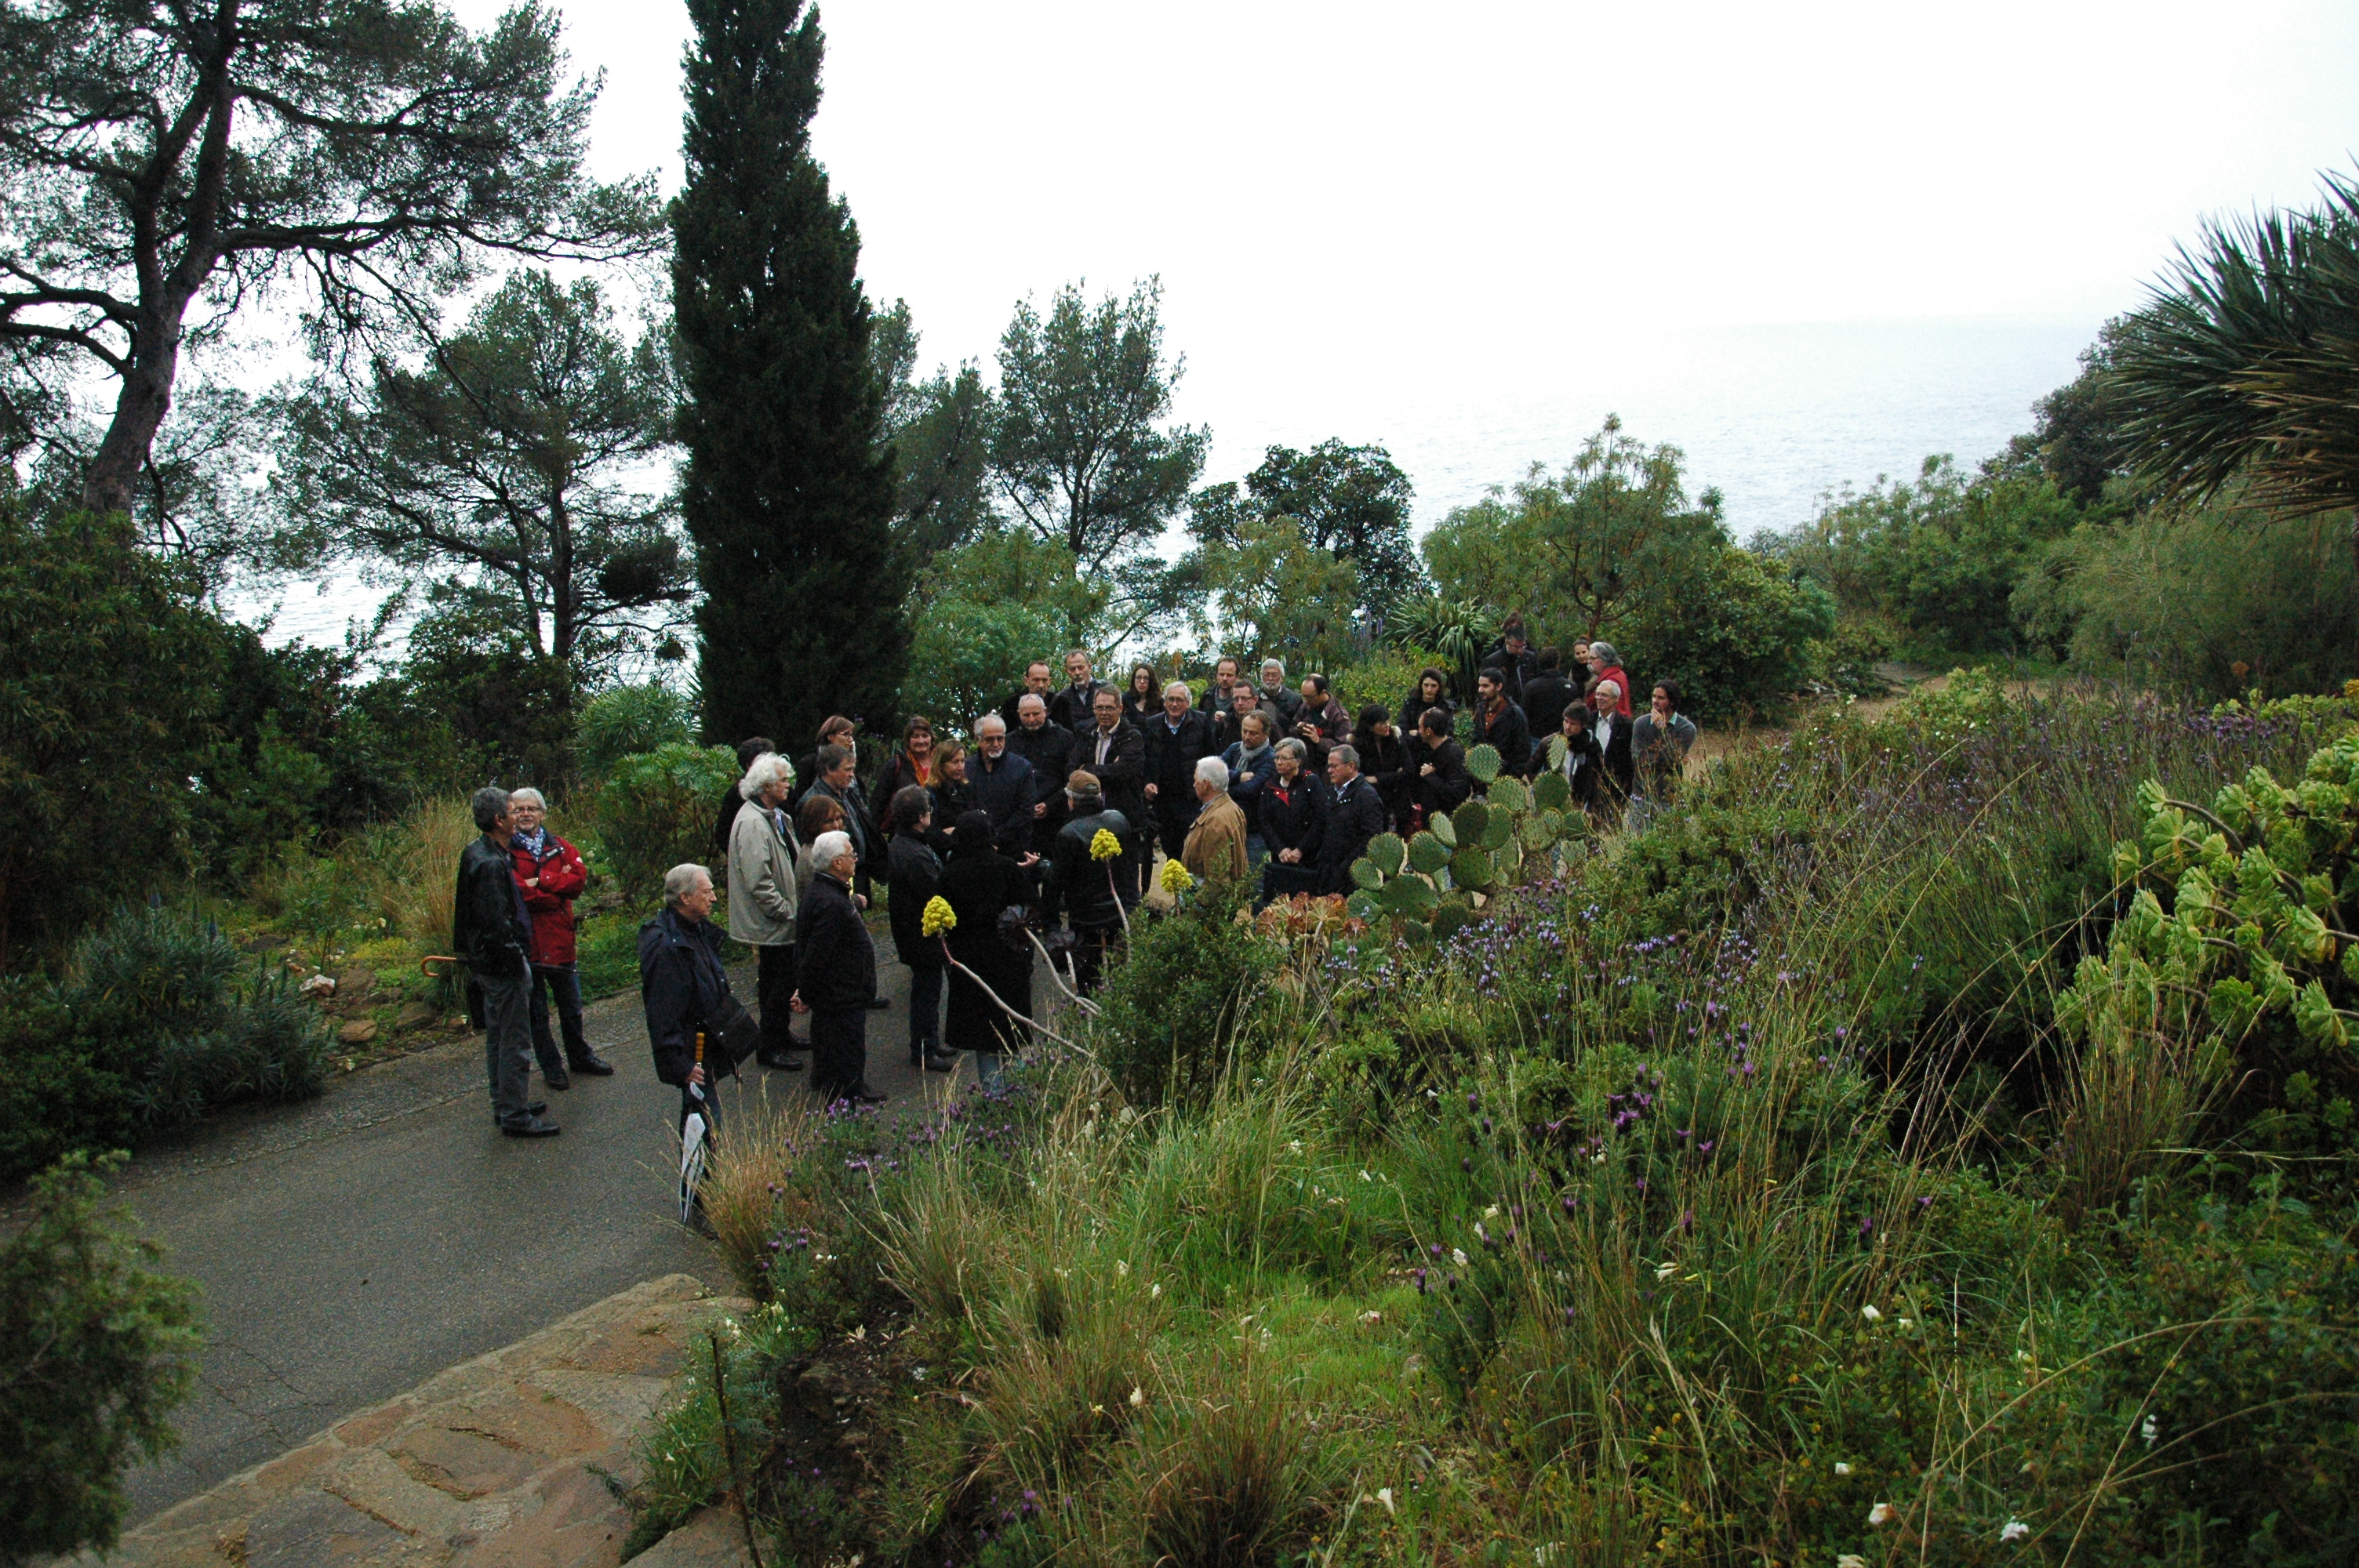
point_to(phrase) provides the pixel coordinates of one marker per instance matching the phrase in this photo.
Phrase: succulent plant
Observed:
(1431, 884)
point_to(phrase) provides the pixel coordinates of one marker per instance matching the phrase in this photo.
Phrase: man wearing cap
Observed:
(1080, 885)
(1606, 664)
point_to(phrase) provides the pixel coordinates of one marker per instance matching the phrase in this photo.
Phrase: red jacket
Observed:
(562, 877)
(1620, 677)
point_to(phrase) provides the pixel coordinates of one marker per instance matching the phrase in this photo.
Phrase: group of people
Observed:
(1268, 780)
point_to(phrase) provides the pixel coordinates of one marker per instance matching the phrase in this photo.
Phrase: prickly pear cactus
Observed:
(1431, 884)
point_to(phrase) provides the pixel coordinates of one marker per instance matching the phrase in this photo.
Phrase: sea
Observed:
(1778, 417)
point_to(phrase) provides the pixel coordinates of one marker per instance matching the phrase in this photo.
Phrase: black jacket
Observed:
(1384, 762)
(1587, 774)
(1294, 816)
(1506, 731)
(835, 963)
(1355, 814)
(1068, 705)
(1078, 884)
(1123, 772)
(1171, 759)
(1006, 794)
(1050, 749)
(1545, 698)
(1413, 706)
(730, 801)
(1520, 667)
(915, 875)
(684, 988)
(489, 927)
(981, 886)
(1447, 787)
(1616, 757)
(1284, 705)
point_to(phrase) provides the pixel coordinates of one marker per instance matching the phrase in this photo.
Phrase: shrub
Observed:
(623, 720)
(1169, 1010)
(96, 1350)
(653, 811)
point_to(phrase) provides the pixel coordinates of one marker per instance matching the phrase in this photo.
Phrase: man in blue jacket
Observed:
(1003, 789)
(685, 989)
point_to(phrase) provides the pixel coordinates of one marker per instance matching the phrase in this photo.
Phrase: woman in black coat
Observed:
(980, 885)
(1293, 818)
(1384, 761)
(916, 874)
(1431, 690)
(1142, 699)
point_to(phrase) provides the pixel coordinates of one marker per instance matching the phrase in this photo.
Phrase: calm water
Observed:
(1776, 416)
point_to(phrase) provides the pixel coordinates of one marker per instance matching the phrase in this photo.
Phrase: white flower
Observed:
(1870, 1314)
(1491, 1212)
(1122, 1268)
(1372, 1318)
(1879, 1513)
(1842, 1467)
(1458, 1256)
(1294, 1145)
(1667, 1271)
(1137, 1397)
(1385, 1496)
(1907, 1323)
(1851, 1560)
(1366, 1178)
(1154, 1293)
(2148, 1430)
(2014, 1529)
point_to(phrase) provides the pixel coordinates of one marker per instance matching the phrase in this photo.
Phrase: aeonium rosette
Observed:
(1103, 845)
(938, 918)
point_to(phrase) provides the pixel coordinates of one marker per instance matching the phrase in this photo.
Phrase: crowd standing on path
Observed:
(1041, 841)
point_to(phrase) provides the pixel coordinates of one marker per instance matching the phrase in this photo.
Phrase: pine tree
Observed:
(788, 493)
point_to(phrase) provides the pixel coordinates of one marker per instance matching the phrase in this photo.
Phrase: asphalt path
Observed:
(351, 1247)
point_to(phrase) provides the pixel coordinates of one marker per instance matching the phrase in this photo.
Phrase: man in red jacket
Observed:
(552, 876)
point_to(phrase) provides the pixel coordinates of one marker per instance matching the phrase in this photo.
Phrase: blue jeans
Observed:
(925, 1009)
(565, 985)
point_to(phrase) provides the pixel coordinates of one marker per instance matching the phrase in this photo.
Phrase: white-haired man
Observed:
(1176, 743)
(765, 898)
(684, 987)
(836, 975)
(1215, 850)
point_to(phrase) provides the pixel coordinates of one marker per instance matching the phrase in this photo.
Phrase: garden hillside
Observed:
(1934, 1145)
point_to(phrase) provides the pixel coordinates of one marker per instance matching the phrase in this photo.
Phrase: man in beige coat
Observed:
(1215, 849)
(764, 898)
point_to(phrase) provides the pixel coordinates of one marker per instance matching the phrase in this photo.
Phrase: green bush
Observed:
(623, 720)
(158, 1020)
(1170, 1007)
(653, 811)
(96, 1350)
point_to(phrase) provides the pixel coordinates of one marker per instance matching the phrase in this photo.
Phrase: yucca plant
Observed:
(2246, 364)
(1458, 630)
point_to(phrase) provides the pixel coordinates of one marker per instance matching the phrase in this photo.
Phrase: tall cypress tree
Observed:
(788, 493)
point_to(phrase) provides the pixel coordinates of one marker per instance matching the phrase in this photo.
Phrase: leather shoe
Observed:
(556, 1078)
(942, 1062)
(593, 1065)
(531, 1127)
(536, 1107)
(861, 1094)
(779, 1060)
(880, 1004)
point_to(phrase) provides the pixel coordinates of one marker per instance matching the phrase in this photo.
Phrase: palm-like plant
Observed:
(1457, 630)
(2245, 366)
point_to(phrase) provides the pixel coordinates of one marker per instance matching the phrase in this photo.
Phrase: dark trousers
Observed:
(774, 986)
(1090, 944)
(1284, 882)
(508, 1042)
(1172, 820)
(557, 982)
(925, 1009)
(839, 1050)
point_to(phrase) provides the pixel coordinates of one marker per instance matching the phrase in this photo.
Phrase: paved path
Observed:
(353, 1248)
(502, 1460)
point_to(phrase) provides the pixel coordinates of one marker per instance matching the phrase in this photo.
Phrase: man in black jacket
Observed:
(1039, 681)
(1439, 783)
(1499, 723)
(492, 931)
(684, 989)
(1114, 752)
(1050, 749)
(1077, 883)
(836, 975)
(1543, 698)
(1355, 814)
(1077, 700)
(1176, 743)
(1513, 654)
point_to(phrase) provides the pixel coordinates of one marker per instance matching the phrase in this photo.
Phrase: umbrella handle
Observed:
(426, 965)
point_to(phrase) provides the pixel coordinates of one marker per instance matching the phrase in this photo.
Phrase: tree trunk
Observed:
(139, 410)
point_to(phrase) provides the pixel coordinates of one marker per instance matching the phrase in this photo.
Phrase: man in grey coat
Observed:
(764, 898)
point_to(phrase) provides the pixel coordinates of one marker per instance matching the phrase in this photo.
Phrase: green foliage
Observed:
(1350, 501)
(625, 720)
(789, 489)
(1079, 449)
(1169, 1012)
(941, 431)
(1936, 560)
(514, 458)
(107, 697)
(653, 811)
(2177, 599)
(1458, 631)
(1282, 596)
(508, 710)
(1012, 566)
(97, 1350)
(960, 653)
